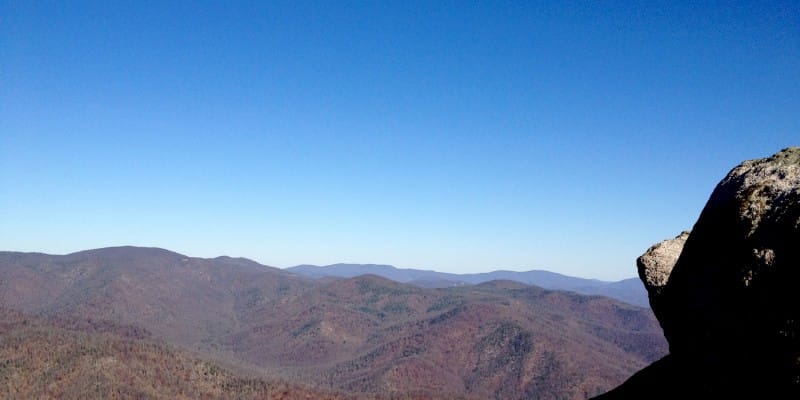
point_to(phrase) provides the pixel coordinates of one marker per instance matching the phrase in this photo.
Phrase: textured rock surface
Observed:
(729, 308)
(655, 266)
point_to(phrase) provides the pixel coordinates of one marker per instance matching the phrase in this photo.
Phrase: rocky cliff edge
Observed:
(728, 294)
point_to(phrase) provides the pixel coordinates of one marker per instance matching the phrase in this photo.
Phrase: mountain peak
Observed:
(127, 251)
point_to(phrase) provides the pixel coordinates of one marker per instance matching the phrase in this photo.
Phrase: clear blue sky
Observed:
(455, 136)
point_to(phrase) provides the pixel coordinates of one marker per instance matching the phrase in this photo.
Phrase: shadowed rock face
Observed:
(729, 306)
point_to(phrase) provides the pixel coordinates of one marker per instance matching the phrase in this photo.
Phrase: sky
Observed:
(455, 136)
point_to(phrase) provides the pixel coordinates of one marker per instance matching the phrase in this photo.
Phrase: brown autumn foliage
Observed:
(364, 335)
(39, 360)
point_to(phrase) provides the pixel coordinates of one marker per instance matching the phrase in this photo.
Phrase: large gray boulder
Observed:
(730, 305)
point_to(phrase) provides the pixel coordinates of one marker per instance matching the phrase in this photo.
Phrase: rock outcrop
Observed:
(730, 306)
(656, 264)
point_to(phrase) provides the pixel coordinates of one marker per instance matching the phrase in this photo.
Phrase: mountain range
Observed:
(364, 336)
(628, 290)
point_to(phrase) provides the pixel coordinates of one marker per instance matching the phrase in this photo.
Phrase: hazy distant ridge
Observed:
(628, 290)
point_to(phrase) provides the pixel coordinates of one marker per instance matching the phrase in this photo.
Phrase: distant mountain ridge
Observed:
(631, 290)
(367, 336)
